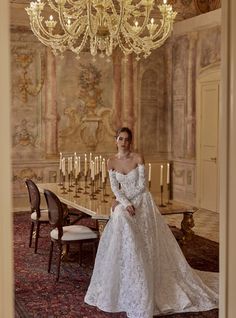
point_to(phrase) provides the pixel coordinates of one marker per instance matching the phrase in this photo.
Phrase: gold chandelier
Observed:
(101, 25)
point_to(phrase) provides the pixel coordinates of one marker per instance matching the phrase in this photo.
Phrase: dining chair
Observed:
(38, 216)
(65, 235)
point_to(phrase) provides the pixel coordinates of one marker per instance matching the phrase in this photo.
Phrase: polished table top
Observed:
(98, 209)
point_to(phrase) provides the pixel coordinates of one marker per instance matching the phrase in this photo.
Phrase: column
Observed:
(50, 116)
(191, 98)
(128, 110)
(168, 96)
(117, 91)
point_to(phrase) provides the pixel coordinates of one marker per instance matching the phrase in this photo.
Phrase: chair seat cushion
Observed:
(43, 215)
(74, 233)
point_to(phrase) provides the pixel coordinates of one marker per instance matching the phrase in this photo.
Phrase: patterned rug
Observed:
(38, 295)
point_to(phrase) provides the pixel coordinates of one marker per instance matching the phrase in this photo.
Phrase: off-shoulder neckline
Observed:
(125, 174)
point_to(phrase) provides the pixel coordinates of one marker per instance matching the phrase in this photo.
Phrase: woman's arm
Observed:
(142, 180)
(119, 193)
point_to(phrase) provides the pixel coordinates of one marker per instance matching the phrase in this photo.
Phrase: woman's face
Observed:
(123, 142)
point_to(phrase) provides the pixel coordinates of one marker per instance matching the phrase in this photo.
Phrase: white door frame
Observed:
(207, 74)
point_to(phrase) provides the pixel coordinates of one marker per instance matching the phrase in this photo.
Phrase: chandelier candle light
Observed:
(101, 25)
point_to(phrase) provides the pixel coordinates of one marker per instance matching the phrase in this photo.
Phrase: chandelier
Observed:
(101, 25)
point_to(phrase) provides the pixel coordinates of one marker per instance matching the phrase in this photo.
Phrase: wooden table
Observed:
(100, 210)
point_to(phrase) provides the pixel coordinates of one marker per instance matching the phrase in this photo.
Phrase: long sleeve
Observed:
(141, 186)
(119, 193)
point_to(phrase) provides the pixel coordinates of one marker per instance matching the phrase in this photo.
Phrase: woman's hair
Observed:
(125, 129)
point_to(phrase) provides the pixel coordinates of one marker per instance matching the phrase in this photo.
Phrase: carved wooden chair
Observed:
(65, 235)
(38, 216)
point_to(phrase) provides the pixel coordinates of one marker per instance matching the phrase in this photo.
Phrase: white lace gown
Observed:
(140, 268)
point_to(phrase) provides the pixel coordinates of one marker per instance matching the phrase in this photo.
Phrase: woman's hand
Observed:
(131, 210)
(114, 204)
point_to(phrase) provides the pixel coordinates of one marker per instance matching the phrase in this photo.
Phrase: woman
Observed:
(139, 267)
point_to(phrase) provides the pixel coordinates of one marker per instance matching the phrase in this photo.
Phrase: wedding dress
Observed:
(140, 268)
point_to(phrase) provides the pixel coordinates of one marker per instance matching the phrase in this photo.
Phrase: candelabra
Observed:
(64, 184)
(105, 189)
(92, 194)
(103, 192)
(168, 194)
(162, 190)
(69, 182)
(76, 187)
(149, 185)
(85, 185)
(60, 178)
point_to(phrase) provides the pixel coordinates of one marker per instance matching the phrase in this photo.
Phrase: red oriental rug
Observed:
(37, 294)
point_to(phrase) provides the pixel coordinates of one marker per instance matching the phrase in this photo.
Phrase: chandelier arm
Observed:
(120, 19)
(79, 48)
(164, 24)
(54, 38)
(76, 11)
(126, 51)
(123, 49)
(89, 15)
(161, 41)
(74, 3)
(52, 5)
(64, 26)
(160, 30)
(145, 22)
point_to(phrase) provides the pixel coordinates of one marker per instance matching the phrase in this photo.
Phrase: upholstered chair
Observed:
(65, 235)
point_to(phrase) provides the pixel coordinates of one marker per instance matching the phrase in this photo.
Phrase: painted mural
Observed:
(85, 104)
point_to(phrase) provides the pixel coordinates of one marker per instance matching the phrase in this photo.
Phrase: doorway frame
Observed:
(206, 74)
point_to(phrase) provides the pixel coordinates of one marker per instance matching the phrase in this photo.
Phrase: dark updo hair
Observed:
(125, 129)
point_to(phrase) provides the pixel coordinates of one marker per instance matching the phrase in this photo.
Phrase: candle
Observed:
(100, 163)
(149, 172)
(63, 166)
(90, 159)
(97, 168)
(161, 176)
(79, 165)
(168, 174)
(76, 167)
(165, 1)
(103, 171)
(60, 163)
(92, 170)
(70, 168)
(85, 166)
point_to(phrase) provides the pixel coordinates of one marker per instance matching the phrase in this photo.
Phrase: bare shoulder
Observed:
(110, 162)
(138, 158)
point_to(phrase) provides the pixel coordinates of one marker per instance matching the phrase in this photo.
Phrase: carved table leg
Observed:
(186, 226)
(101, 226)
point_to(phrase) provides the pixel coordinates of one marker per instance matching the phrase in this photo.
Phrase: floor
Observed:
(206, 223)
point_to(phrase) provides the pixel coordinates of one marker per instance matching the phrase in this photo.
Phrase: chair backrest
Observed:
(34, 196)
(55, 211)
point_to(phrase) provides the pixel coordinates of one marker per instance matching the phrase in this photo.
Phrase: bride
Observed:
(139, 267)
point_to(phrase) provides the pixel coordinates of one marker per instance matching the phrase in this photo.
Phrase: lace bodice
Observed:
(132, 185)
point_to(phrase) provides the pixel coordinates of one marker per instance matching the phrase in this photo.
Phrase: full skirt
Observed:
(141, 270)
